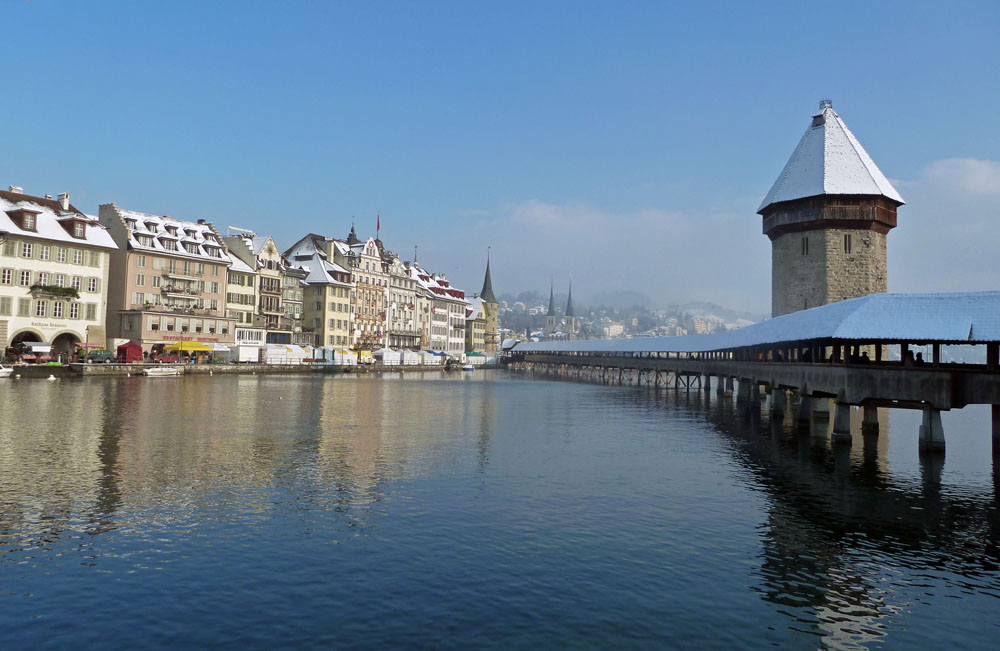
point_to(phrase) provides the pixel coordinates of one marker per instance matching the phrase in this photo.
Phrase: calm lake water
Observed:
(483, 510)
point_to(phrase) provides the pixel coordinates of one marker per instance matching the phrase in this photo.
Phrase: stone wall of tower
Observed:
(826, 271)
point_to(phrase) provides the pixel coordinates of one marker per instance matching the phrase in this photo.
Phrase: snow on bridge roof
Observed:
(948, 318)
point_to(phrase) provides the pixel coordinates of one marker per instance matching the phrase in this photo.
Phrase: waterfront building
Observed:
(401, 322)
(262, 254)
(241, 303)
(481, 322)
(491, 314)
(326, 300)
(827, 217)
(369, 295)
(475, 325)
(53, 272)
(293, 287)
(167, 280)
(446, 311)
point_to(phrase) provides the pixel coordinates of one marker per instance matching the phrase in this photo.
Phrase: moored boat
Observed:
(161, 371)
(468, 367)
(5, 371)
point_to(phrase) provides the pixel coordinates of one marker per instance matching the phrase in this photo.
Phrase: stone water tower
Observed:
(827, 216)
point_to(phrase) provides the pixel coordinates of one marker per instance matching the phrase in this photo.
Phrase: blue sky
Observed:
(625, 145)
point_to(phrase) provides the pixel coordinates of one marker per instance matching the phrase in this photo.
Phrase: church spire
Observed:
(487, 294)
(552, 299)
(569, 301)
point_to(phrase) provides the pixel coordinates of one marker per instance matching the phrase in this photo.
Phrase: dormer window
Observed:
(28, 221)
(151, 226)
(79, 230)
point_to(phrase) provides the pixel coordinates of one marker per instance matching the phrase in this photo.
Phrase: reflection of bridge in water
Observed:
(844, 541)
(838, 351)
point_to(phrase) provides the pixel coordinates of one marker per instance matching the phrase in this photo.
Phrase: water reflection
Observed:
(74, 454)
(845, 543)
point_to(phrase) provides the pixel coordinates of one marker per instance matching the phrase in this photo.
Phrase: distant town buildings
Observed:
(69, 281)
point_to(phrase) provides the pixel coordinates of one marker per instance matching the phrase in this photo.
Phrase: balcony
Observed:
(179, 291)
(54, 292)
(190, 279)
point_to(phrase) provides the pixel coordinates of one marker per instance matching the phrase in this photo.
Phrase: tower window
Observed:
(847, 243)
(805, 246)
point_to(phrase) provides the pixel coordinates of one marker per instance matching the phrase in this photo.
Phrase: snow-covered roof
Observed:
(239, 266)
(318, 270)
(951, 318)
(829, 160)
(475, 306)
(149, 232)
(48, 220)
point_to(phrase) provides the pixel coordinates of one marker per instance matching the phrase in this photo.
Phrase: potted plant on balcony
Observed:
(54, 290)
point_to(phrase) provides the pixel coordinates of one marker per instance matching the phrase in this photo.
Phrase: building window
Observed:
(77, 256)
(156, 281)
(60, 254)
(6, 304)
(78, 230)
(94, 259)
(92, 284)
(6, 276)
(57, 310)
(43, 278)
(847, 243)
(60, 280)
(25, 249)
(25, 280)
(140, 261)
(41, 308)
(24, 307)
(43, 253)
(140, 280)
(91, 311)
(74, 310)
(77, 283)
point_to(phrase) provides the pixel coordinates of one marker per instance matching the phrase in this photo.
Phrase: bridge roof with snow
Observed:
(965, 318)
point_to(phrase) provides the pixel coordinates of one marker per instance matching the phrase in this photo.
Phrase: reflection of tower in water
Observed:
(843, 537)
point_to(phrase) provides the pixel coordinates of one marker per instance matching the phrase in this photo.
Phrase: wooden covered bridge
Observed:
(858, 352)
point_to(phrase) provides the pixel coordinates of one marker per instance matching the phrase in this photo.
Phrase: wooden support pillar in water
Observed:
(996, 430)
(729, 385)
(778, 401)
(842, 424)
(931, 431)
(869, 425)
(805, 407)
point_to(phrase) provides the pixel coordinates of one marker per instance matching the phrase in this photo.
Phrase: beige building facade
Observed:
(167, 280)
(54, 266)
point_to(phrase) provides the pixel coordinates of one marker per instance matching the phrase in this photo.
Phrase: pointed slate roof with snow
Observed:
(487, 292)
(829, 160)
(569, 302)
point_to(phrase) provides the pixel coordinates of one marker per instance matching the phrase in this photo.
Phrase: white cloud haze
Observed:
(947, 240)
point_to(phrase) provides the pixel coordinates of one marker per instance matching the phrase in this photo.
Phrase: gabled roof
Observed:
(963, 318)
(48, 217)
(829, 160)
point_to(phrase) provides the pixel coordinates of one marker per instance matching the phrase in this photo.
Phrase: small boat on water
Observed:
(5, 371)
(161, 371)
(468, 367)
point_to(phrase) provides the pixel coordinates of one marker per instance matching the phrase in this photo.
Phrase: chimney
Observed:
(201, 221)
(48, 196)
(64, 200)
(16, 189)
